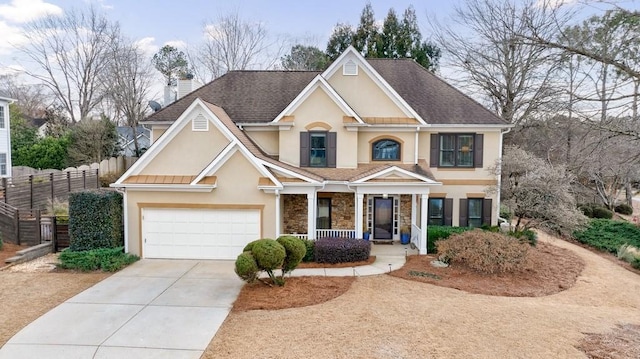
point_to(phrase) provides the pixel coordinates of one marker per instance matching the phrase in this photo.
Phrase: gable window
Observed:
(323, 220)
(475, 212)
(3, 164)
(350, 68)
(440, 211)
(317, 149)
(2, 124)
(386, 150)
(457, 150)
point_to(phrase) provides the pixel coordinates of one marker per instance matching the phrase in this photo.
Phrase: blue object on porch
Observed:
(404, 238)
(366, 235)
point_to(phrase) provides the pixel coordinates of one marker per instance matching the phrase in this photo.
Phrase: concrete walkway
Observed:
(156, 309)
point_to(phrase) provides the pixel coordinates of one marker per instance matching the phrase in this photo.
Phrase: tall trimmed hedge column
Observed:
(95, 220)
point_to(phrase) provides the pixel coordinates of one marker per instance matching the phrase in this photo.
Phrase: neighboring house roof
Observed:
(261, 96)
(126, 132)
(435, 100)
(246, 96)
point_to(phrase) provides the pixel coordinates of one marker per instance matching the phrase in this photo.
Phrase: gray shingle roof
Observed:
(246, 96)
(259, 96)
(436, 101)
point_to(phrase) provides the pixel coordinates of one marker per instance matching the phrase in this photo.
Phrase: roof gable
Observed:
(318, 83)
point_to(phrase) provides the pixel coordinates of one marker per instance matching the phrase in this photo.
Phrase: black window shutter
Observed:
(304, 149)
(486, 211)
(448, 211)
(463, 222)
(477, 150)
(331, 149)
(435, 150)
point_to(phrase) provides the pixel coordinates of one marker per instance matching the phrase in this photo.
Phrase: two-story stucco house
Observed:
(373, 145)
(5, 136)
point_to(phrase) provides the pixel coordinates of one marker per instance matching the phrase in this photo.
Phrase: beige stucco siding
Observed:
(407, 144)
(364, 95)
(188, 153)
(157, 131)
(315, 113)
(490, 149)
(237, 188)
(266, 140)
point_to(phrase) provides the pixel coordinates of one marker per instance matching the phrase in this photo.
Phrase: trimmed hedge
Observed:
(95, 220)
(608, 235)
(341, 250)
(309, 255)
(595, 210)
(246, 267)
(295, 249)
(105, 259)
(624, 208)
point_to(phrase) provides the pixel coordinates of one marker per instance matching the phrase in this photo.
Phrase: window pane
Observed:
(1, 116)
(318, 150)
(475, 212)
(323, 220)
(436, 211)
(447, 158)
(3, 164)
(447, 142)
(386, 150)
(465, 151)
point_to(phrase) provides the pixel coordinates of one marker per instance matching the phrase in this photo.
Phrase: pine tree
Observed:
(340, 40)
(367, 36)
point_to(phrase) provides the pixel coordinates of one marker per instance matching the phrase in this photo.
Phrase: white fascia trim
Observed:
(217, 162)
(380, 81)
(288, 172)
(177, 126)
(166, 188)
(396, 169)
(318, 82)
(478, 127)
(404, 184)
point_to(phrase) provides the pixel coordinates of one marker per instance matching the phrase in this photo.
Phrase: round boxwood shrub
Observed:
(269, 254)
(246, 267)
(295, 250)
(309, 255)
(624, 208)
(249, 246)
(601, 212)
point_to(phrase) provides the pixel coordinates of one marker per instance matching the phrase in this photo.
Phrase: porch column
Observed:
(423, 223)
(278, 214)
(311, 215)
(359, 213)
(414, 209)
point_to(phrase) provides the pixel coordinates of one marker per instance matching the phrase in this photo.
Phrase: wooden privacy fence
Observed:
(26, 227)
(36, 191)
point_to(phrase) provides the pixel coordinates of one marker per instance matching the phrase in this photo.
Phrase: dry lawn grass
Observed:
(388, 317)
(621, 343)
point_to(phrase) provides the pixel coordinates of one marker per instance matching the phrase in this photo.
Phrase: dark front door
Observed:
(382, 218)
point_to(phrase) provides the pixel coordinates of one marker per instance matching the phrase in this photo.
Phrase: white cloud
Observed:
(178, 44)
(553, 3)
(148, 46)
(21, 11)
(11, 70)
(11, 36)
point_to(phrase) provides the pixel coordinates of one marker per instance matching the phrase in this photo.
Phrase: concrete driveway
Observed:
(152, 309)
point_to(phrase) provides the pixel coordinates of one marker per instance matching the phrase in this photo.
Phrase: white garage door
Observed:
(198, 233)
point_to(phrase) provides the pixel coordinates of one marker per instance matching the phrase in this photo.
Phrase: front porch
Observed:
(347, 214)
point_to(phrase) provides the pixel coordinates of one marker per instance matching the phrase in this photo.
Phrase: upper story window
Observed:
(386, 150)
(3, 164)
(2, 124)
(317, 149)
(457, 150)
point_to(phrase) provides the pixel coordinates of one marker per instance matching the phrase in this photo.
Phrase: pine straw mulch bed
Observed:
(550, 270)
(621, 343)
(337, 265)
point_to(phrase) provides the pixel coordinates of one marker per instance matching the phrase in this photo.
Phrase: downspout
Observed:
(415, 150)
(500, 219)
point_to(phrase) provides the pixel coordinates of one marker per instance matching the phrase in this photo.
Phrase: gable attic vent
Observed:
(350, 68)
(200, 123)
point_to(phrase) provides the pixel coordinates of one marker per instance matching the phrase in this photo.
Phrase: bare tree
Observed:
(514, 76)
(537, 193)
(32, 99)
(127, 82)
(233, 43)
(70, 52)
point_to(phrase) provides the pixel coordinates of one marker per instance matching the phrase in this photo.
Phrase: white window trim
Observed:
(5, 163)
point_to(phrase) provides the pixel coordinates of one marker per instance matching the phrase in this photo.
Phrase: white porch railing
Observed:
(321, 233)
(416, 235)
